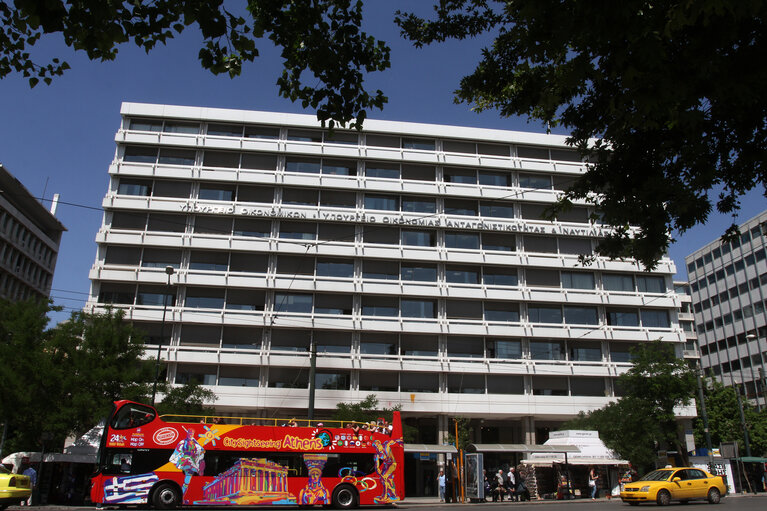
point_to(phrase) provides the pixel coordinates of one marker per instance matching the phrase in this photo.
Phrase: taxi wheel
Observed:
(714, 496)
(633, 503)
(663, 498)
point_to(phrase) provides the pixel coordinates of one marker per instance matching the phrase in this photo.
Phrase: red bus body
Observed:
(168, 464)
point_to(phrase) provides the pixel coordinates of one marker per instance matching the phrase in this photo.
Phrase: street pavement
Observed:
(739, 502)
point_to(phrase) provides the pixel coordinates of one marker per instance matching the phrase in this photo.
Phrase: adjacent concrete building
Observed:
(412, 256)
(29, 242)
(729, 286)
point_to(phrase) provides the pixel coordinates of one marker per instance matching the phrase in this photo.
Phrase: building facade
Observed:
(29, 242)
(729, 291)
(412, 256)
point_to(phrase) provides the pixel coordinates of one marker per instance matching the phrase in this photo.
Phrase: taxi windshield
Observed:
(657, 475)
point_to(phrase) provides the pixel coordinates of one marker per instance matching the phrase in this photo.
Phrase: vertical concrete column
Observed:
(528, 429)
(442, 432)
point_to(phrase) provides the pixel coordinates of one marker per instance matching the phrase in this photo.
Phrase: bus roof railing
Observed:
(262, 421)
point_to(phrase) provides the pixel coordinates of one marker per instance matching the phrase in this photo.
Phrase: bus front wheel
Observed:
(345, 497)
(166, 496)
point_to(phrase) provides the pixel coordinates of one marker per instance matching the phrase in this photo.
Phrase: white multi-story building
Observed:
(729, 296)
(29, 242)
(413, 256)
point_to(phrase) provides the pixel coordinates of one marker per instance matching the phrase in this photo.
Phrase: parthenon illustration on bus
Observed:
(250, 481)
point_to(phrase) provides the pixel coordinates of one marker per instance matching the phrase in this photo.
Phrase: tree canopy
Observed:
(724, 423)
(643, 420)
(664, 98)
(63, 380)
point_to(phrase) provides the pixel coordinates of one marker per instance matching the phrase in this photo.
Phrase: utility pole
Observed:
(743, 421)
(168, 271)
(704, 416)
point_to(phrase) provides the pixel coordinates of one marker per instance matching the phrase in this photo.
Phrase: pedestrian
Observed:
(521, 491)
(441, 483)
(511, 484)
(32, 474)
(593, 478)
(499, 487)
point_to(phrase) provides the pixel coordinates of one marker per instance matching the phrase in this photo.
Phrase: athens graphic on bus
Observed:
(145, 459)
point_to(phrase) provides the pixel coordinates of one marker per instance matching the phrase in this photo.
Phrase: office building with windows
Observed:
(29, 242)
(729, 295)
(412, 256)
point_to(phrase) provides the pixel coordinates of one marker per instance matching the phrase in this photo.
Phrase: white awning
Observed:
(430, 448)
(522, 448)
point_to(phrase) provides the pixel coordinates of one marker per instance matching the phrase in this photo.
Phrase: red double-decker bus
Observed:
(144, 459)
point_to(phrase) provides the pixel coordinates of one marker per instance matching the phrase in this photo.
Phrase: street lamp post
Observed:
(168, 271)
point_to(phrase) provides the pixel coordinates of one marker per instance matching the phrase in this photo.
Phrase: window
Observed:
(384, 270)
(208, 260)
(378, 381)
(377, 344)
(252, 227)
(204, 298)
(496, 209)
(190, 128)
(419, 204)
(418, 172)
(340, 137)
(333, 198)
(339, 167)
(577, 280)
(424, 273)
(419, 382)
(224, 130)
(504, 348)
(654, 318)
(293, 302)
(503, 384)
(340, 304)
(462, 274)
(214, 191)
(332, 381)
(419, 345)
(647, 284)
(121, 255)
(617, 282)
(463, 309)
(460, 207)
(259, 161)
(575, 246)
(200, 374)
(418, 308)
(459, 146)
(465, 383)
(160, 258)
(335, 268)
(298, 230)
(418, 238)
(213, 225)
(146, 125)
(139, 187)
(381, 235)
(298, 135)
(302, 165)
(239, 376)
(288, 378)
(245, 299)
(387, 306)
(535, 181)
(140, 154)
(463, 240)
(460, 175)
(543, 244)
(237, 337)
(338, 233)
(575, 315)
(587, 386)
(537, 313)
(502, 311)
(622, 317)
(422, 144)
(499, 242)
(295, 265)
(382, 202)
(489, 178)
(222, 159)
(550, 385)
(497, 276)
(166, 222)
(532, 211)
(382, 170)
(585, 351)
(170, 156)
(300, 196)
(542, 278)
(464, 347)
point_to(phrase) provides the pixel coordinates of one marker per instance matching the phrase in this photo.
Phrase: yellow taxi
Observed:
(14, 488)
(674, 483)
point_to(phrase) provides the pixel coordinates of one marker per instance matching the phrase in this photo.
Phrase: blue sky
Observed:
(60, 138)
